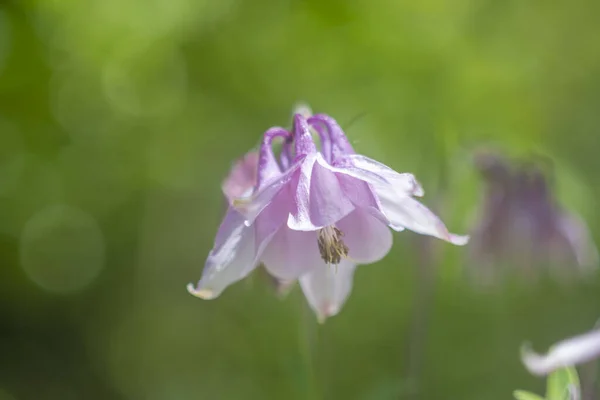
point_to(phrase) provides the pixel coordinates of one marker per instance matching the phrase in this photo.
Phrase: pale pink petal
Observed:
(404, 183)
(283, 287)
(347, 168)
(320, 200)
(406, 212)
(272, 218)
(567, 353)
(459, 240)
(368, 239)
(229, 228)
(242, 177)
(327, 287)
(362, 195)
(253, 205)
(232, 258)
(291, 253)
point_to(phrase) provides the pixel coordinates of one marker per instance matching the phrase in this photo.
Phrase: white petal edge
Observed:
(406, 212)
(327, 288)
(567, 353)
(403, 183)
(232, 258)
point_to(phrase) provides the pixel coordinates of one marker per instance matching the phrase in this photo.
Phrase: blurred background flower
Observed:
(119, 120)
(522, 228)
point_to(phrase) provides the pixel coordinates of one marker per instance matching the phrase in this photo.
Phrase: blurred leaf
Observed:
(523, 395)
(561, 382)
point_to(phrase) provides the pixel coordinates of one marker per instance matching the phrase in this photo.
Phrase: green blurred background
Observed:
(120, 118)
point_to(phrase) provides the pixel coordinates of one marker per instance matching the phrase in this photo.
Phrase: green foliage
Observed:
(561, 384)
(128, 114)
(522, 395)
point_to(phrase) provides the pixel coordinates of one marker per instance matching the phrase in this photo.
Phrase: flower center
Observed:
(331, 245)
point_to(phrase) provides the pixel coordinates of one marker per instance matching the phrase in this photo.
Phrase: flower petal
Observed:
(406, 212)
(404, 183)
(327, 287)
(362, 195)
(364, 175)
(272, 218)
(578, 235)
(242, 177)
(232, 258)
(320, 200)
(253, 205)
(291, 254)
(368, 239)
(567, 353)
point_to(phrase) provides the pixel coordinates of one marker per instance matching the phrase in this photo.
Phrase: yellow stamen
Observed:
(331, 245)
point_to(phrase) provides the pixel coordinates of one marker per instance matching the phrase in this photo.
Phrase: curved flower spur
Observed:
(313, 215)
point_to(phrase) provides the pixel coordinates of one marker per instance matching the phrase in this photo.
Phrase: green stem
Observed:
(308, 346)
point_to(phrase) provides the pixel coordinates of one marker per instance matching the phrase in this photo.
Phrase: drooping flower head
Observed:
(314, 214)
(523, 228)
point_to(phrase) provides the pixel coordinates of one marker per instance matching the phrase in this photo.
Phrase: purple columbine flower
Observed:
(314, 215)
(523, 227)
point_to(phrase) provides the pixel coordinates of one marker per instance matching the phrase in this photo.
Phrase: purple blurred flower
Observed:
(522, 226)
(313, 215)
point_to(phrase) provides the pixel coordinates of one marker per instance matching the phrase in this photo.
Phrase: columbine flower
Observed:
(567, 353)
(314, 215)
(523, 227)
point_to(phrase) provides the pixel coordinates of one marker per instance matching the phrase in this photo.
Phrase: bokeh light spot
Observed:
(62, 249)
(78, 107)
(151, 81)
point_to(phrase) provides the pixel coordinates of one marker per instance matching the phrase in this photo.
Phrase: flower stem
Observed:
(427, 261)
(308, 346)
(422, 303)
